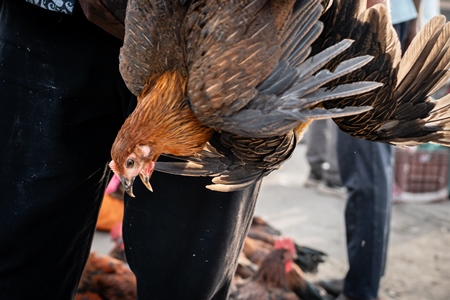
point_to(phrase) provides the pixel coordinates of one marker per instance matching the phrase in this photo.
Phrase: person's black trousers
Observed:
(183, 241)
(61, 105)
(366, 171)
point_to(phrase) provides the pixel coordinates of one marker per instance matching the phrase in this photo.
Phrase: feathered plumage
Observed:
(403, 112)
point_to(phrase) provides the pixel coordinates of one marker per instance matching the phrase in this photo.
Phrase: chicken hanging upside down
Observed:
(227, 88)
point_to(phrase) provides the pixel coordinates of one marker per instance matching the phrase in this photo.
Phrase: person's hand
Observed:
(387, 3)
(373, 2)
(106, 14)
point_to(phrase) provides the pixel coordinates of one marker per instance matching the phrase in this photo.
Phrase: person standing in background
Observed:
(366, 170)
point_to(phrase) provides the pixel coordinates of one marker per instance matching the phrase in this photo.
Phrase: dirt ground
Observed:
(418, 264)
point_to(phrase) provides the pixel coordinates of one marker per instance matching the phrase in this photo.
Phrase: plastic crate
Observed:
(420, 175)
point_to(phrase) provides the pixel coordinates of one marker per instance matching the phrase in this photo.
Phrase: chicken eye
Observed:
(130, 163)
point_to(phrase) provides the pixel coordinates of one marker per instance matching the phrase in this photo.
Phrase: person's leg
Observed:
(331, 179)
(331, 173)
(366, 171)
(316, 150)
(60, 111)
(182, 241)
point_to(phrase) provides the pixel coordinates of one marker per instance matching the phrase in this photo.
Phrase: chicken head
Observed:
(139, 162)
(290, 254)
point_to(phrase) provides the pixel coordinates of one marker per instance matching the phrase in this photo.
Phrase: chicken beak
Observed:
(146, 181)
(128, 185)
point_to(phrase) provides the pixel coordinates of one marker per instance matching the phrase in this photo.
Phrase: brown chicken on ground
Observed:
(270, 280)
(261, 240)
(106, 278)
(307, 258)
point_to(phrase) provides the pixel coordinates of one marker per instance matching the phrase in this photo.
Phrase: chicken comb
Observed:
(285, 243)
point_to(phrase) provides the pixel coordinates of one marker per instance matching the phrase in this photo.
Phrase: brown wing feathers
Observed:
(402, 113)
